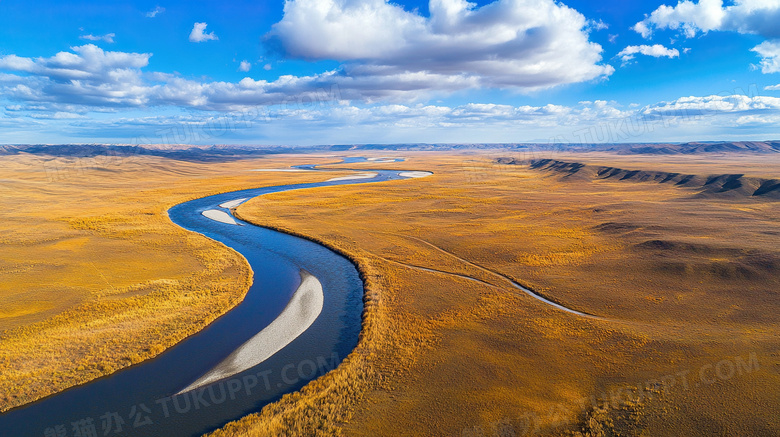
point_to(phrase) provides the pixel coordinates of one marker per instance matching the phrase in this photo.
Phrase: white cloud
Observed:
(154, 12)
(758, 120)
(698, 118)
(744, 16)
(295, 115)
(88, 62)
(329, 121)
(88, 76)
(244, 66)
(597, 25)
(57, 116)
(527, 44)
(88, 79)
(759, 17)
(93, 77)
(770, 55)
(109, 37)
(772, 87)
(715, 105)
(655, 50)
(687, 16)
(9, 78)
(515, 44)
(198, 35)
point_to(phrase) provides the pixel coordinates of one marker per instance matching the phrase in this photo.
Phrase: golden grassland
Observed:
(94, 277)
(686, 290)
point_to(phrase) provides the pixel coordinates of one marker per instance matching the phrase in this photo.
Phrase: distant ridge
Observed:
(181, 153)
(233, 152)
(692, 148)
(620, 148)
(724, 186)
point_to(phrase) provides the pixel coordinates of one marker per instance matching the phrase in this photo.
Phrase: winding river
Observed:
(300, 318)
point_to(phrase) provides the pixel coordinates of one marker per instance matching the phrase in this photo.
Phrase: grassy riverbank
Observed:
(94, 277)
(688, 286)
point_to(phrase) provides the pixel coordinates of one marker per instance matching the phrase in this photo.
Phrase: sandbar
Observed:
(302, 310)
(415, 174)
(220, 216)
(357, 176)
(232, 203)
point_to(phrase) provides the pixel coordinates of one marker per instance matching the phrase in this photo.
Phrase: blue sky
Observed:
(348, 71)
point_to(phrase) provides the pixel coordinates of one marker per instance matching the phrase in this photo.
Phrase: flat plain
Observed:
(682, 285)
(94, 277)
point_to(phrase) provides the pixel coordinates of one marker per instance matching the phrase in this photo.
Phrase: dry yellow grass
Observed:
(93, 278)
(689, 288)
(93, 275)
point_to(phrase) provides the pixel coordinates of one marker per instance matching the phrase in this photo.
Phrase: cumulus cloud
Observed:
(597, 25)
(57, 116)
(773, 87)
(744, 16)
(595, 121)
(759, 17)
(527, 44)
(244, 66)
(88, 62)
(88, 75)
(716, 105)
(769, 51)
(87, 79)
(389, 55)
(190, 128)
(198, 33)
(155, 12)
(109, 37)
(655, 50)
(310, 120)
